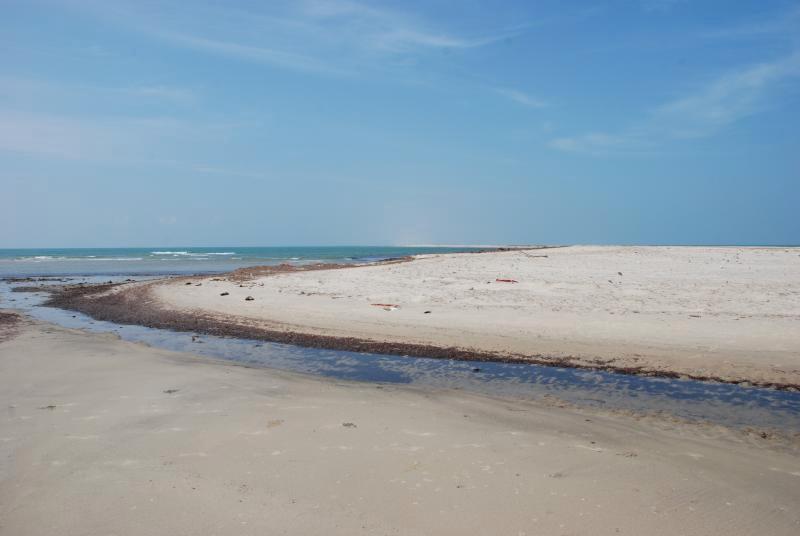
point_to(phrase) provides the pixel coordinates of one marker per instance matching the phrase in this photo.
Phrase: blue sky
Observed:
(308, 122)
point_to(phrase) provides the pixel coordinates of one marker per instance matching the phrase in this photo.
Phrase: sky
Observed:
(257, 123)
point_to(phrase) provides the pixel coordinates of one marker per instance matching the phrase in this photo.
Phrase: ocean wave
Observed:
(39, 258)
(108, 259)
(182, 258)
(196, 254)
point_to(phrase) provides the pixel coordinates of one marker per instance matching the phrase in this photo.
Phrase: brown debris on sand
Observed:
(253, 272)
(8, 325)
(29, 288)
(7, 319)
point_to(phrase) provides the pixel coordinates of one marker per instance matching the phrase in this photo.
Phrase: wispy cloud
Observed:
(727, 99)
(522, 98)
(161, 92)
(39, 90)
(278, 58)
(97, 139)
(390, 30)
(228, 172)
(51, 136)
(602, 143)
(333, 37)
(719, 103)
(404, 39)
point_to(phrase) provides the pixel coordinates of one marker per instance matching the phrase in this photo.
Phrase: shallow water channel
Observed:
(719, 403)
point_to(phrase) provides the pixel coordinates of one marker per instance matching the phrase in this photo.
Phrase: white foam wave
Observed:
(195, 254)
(109, 259)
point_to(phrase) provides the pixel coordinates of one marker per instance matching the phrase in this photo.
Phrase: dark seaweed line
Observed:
(136, 306)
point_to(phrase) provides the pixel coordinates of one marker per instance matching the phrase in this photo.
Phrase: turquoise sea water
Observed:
(185, 260)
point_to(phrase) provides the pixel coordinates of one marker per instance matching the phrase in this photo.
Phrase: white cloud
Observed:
(389, 30)
(332, 37)
(726, 99)
(51, 136)
(603, 143)
(522, 98)
(702, 113)
(259, 54)
(41, 90)
(227, 172)
(403, 39)
(161, 92)
(103, 139)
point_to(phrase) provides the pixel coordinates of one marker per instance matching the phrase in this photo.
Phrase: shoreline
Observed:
(144, 304)
(137, 306)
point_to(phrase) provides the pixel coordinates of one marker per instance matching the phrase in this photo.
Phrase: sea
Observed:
(188, 260)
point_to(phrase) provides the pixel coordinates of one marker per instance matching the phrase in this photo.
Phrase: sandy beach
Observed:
(731, 314)
(102, 436)
(339, 267)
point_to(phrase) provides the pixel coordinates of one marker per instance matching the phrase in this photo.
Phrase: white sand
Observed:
(243, 451)
(731, 313)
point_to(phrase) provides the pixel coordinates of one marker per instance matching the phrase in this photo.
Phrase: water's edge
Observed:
(730, 405)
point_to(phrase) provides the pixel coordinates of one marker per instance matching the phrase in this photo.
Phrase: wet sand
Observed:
(728, 314)
(101, 436)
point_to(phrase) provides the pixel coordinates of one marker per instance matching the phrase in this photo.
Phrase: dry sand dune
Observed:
(725, 313)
